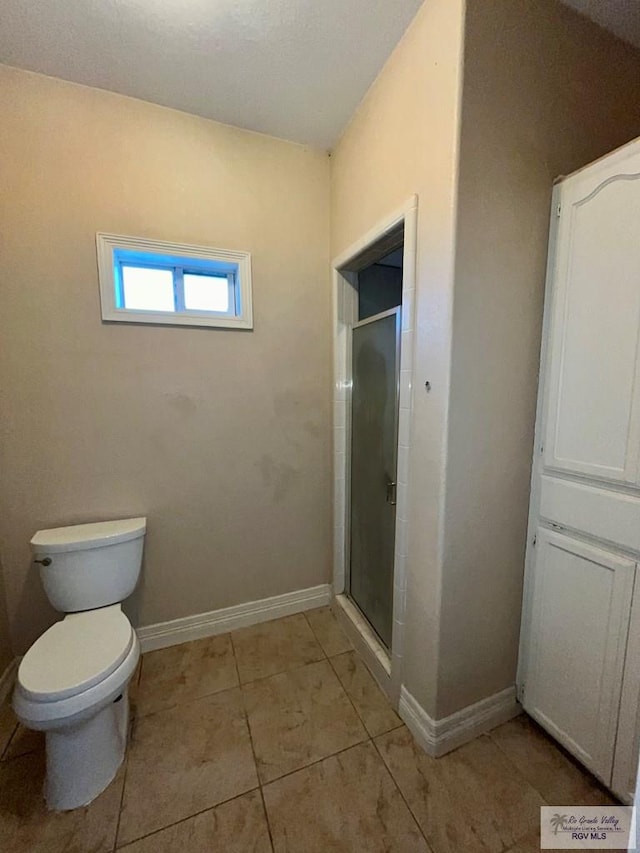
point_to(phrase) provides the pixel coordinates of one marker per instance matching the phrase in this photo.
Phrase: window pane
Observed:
(206, 292)
(147, 289)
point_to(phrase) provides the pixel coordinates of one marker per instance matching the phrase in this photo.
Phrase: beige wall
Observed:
(403, 140)
(6, 651)
(545, 92)
(220, 437)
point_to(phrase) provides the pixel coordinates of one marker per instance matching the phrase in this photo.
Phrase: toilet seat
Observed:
(54, 714)
(76, 654)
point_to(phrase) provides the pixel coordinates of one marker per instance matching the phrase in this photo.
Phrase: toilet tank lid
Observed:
(80, 537)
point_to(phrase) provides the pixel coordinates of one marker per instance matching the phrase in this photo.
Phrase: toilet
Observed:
(73, 682)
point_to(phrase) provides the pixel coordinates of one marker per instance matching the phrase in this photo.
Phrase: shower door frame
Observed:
(386, 665)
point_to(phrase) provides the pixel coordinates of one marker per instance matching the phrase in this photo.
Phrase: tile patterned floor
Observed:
(276, 739)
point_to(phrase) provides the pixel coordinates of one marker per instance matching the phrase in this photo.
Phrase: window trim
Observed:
(108, 245)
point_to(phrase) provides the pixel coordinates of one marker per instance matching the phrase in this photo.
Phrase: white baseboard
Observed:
(177, 631)
(438, 737)
(7, 679)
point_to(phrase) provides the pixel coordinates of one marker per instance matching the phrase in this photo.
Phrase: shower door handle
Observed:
(391, 493)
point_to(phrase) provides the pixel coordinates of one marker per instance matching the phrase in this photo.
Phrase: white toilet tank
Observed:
(87, 566)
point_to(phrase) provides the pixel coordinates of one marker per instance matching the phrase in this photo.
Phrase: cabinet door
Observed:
(625, 764)
(577, 638)
(593, 396)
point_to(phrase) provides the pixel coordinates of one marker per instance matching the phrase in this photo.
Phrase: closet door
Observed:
(578, 632)
(625, 765)
(593, 402)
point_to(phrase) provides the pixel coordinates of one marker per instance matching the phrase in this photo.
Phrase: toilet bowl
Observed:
(73, 682)
(73, 685)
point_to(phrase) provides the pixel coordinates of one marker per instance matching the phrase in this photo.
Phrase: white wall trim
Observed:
(8, 678)
(375, 233)
(200, 625)
(438, 737)
(344, 307)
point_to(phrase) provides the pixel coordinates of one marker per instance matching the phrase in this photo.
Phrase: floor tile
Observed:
(238, 826)
(328, 632)
(191, 774)
(298, 717)
(8, 725)
(23, 742)
(546, 767)
(272, 647)
(185, 672)
(470, 800)
(370, 702)
(530, 844)
(185, 760)
(347, 803)
(26, 825)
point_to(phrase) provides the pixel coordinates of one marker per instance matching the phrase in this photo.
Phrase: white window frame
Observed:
(237, 266)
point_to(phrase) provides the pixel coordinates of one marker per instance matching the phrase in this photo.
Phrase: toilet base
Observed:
(84, 758)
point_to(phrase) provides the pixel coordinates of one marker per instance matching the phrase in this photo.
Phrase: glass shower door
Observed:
(374, 430)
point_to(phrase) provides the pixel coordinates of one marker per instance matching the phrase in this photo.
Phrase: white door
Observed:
(593, 385)
(625, 765)
(578, 631)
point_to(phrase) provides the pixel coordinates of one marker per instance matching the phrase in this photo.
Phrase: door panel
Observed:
(374, 430)
(579, 623)
(593, 423)
(625, 765)
(612, 516)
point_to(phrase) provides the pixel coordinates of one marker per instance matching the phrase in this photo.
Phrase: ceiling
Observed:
(621, 17)
(296, 69)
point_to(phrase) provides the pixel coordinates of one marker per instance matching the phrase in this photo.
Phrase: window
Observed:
(148, 281)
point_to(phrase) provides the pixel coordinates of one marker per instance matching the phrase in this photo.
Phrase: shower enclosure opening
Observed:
(373, 419)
